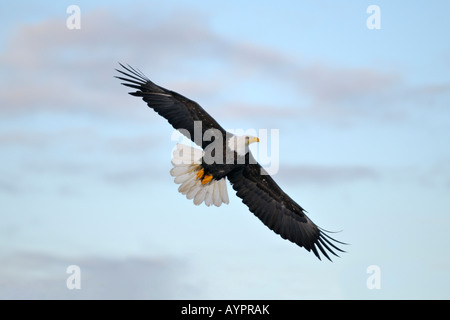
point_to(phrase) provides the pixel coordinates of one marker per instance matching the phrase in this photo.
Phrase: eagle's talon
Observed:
(207, 178)
(200, 173)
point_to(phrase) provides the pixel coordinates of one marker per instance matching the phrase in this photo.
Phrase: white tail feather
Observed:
(209, 195)
(193, 191)
(216, 196)
(224, 193)
(182, 178)
(186, 163)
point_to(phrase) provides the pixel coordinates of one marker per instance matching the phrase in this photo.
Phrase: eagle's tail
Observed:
(188, 172)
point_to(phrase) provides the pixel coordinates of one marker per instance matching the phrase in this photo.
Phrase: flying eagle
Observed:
(202, 174)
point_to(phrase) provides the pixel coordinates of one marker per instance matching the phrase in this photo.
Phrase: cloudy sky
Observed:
(363, 117)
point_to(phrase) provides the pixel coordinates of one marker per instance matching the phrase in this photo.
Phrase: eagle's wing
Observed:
(278, 211)
(181, 112)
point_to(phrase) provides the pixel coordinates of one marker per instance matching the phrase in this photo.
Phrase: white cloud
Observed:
(43, 276)
(50, 67)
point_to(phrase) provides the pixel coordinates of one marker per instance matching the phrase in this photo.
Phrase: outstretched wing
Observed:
(181, 112)
(278, 211)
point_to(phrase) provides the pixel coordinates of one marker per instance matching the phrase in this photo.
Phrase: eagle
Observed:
(202, 173)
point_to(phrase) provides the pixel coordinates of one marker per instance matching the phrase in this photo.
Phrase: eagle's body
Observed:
(202, 173)
(227, 159)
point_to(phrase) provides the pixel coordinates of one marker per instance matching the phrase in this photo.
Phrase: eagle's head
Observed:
(240, 144)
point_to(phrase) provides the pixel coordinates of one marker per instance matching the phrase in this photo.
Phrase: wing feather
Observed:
(180, 111)
(279, 212)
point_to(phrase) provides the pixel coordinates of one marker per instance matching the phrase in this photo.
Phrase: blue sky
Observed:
(363, 118)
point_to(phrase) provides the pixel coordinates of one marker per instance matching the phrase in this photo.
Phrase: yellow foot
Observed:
(207, 179)
(200, 173)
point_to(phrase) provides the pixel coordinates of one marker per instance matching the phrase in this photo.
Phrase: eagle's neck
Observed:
(238, 144)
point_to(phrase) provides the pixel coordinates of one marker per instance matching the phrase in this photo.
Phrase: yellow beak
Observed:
(253, 139)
